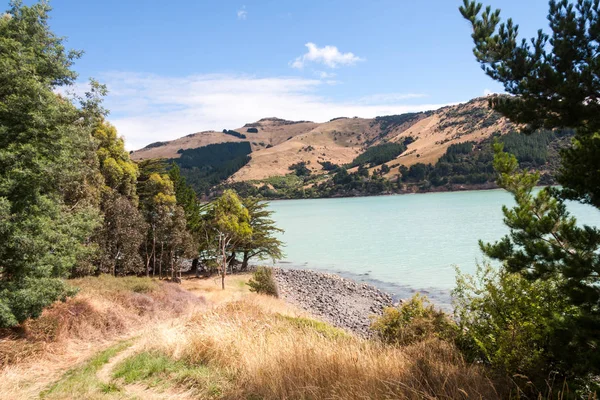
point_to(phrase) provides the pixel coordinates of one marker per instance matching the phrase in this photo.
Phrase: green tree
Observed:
(120, 237)
(546, 244)
(46, 218)
(122, 233)
(186, 198)
(554, 80)
(119, 172)
(262, 243)
(226, 226)
(157, 203)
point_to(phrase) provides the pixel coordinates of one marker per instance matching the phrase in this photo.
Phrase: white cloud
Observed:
(242, 13)
(325, 75)
(149, 108)
(328, 55)
(487, 92)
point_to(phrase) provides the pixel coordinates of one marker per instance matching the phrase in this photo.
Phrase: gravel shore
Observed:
(344, 303)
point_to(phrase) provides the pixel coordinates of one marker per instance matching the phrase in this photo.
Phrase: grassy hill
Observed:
(387, 147)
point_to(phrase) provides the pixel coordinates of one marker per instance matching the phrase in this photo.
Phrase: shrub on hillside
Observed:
(262, 282)
(412, 322)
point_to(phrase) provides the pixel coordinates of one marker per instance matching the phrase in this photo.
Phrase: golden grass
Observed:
(259, 354)
(242, 346)
(106, 310)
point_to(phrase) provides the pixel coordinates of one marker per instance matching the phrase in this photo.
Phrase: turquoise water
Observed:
(402, 243)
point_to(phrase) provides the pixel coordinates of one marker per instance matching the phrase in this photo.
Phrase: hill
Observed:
(388, 147)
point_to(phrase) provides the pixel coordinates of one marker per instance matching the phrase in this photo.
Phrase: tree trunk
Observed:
(245, 260)
(162, 247)
(172, 256)
(224, 263)
(153, 251)
(231, 261)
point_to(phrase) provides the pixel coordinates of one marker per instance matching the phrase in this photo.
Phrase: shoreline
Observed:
(342, 302)
(462, 188)
(439, 297)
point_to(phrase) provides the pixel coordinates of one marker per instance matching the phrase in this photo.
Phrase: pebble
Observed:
(341, 302)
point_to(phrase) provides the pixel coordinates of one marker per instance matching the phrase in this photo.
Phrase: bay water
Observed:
(400, 243)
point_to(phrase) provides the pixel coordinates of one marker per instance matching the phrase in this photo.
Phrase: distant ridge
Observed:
(278, 143)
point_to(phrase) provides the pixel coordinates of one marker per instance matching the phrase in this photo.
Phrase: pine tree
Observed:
(546, 244)
(262, 243)
(554, 80)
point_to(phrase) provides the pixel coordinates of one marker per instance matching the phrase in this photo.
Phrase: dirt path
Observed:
(105, 373)
(140, 391)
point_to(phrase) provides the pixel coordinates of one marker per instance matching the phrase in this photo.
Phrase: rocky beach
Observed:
(342, 302)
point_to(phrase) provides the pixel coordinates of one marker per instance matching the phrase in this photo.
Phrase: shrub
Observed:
(509, 322)
(329, 166)
(262, 282)
(413, 322)
(300, 169)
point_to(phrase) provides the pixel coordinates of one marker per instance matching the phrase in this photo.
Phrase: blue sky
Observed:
(173, 68)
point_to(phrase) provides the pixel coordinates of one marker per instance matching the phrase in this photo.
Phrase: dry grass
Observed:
(242, 346)
(106, 310)
(255, 353)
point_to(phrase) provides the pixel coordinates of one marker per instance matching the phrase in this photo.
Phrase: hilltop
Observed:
(257, 156)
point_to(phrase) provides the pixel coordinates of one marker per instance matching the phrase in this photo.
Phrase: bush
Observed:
(262, 282)
(300, 169)
(511, 323)
(413, 322)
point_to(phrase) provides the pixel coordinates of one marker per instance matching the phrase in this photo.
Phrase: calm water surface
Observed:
(401, 243)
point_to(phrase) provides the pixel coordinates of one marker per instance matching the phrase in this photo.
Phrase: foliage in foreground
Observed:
(262, 282)
(230, 353)
(47, 211)
(512, 324)
(538, 315)
(412, 322)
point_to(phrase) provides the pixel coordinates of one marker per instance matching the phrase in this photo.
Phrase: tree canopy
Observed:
(553, 80)
(46, 215)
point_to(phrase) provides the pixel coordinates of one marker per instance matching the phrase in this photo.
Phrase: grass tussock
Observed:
(104, 308)
(251, 352)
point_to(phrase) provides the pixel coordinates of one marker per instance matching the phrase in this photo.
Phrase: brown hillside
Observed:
(341, 140)
(271, 131)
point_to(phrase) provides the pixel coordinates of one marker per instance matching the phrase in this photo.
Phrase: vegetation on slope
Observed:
(379, 154)
(464, 165)
(208, 166)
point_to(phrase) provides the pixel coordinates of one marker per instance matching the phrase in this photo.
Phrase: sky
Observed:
(184, 66)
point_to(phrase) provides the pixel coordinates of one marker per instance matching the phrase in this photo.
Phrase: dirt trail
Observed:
(105, 373)
(136, 391)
